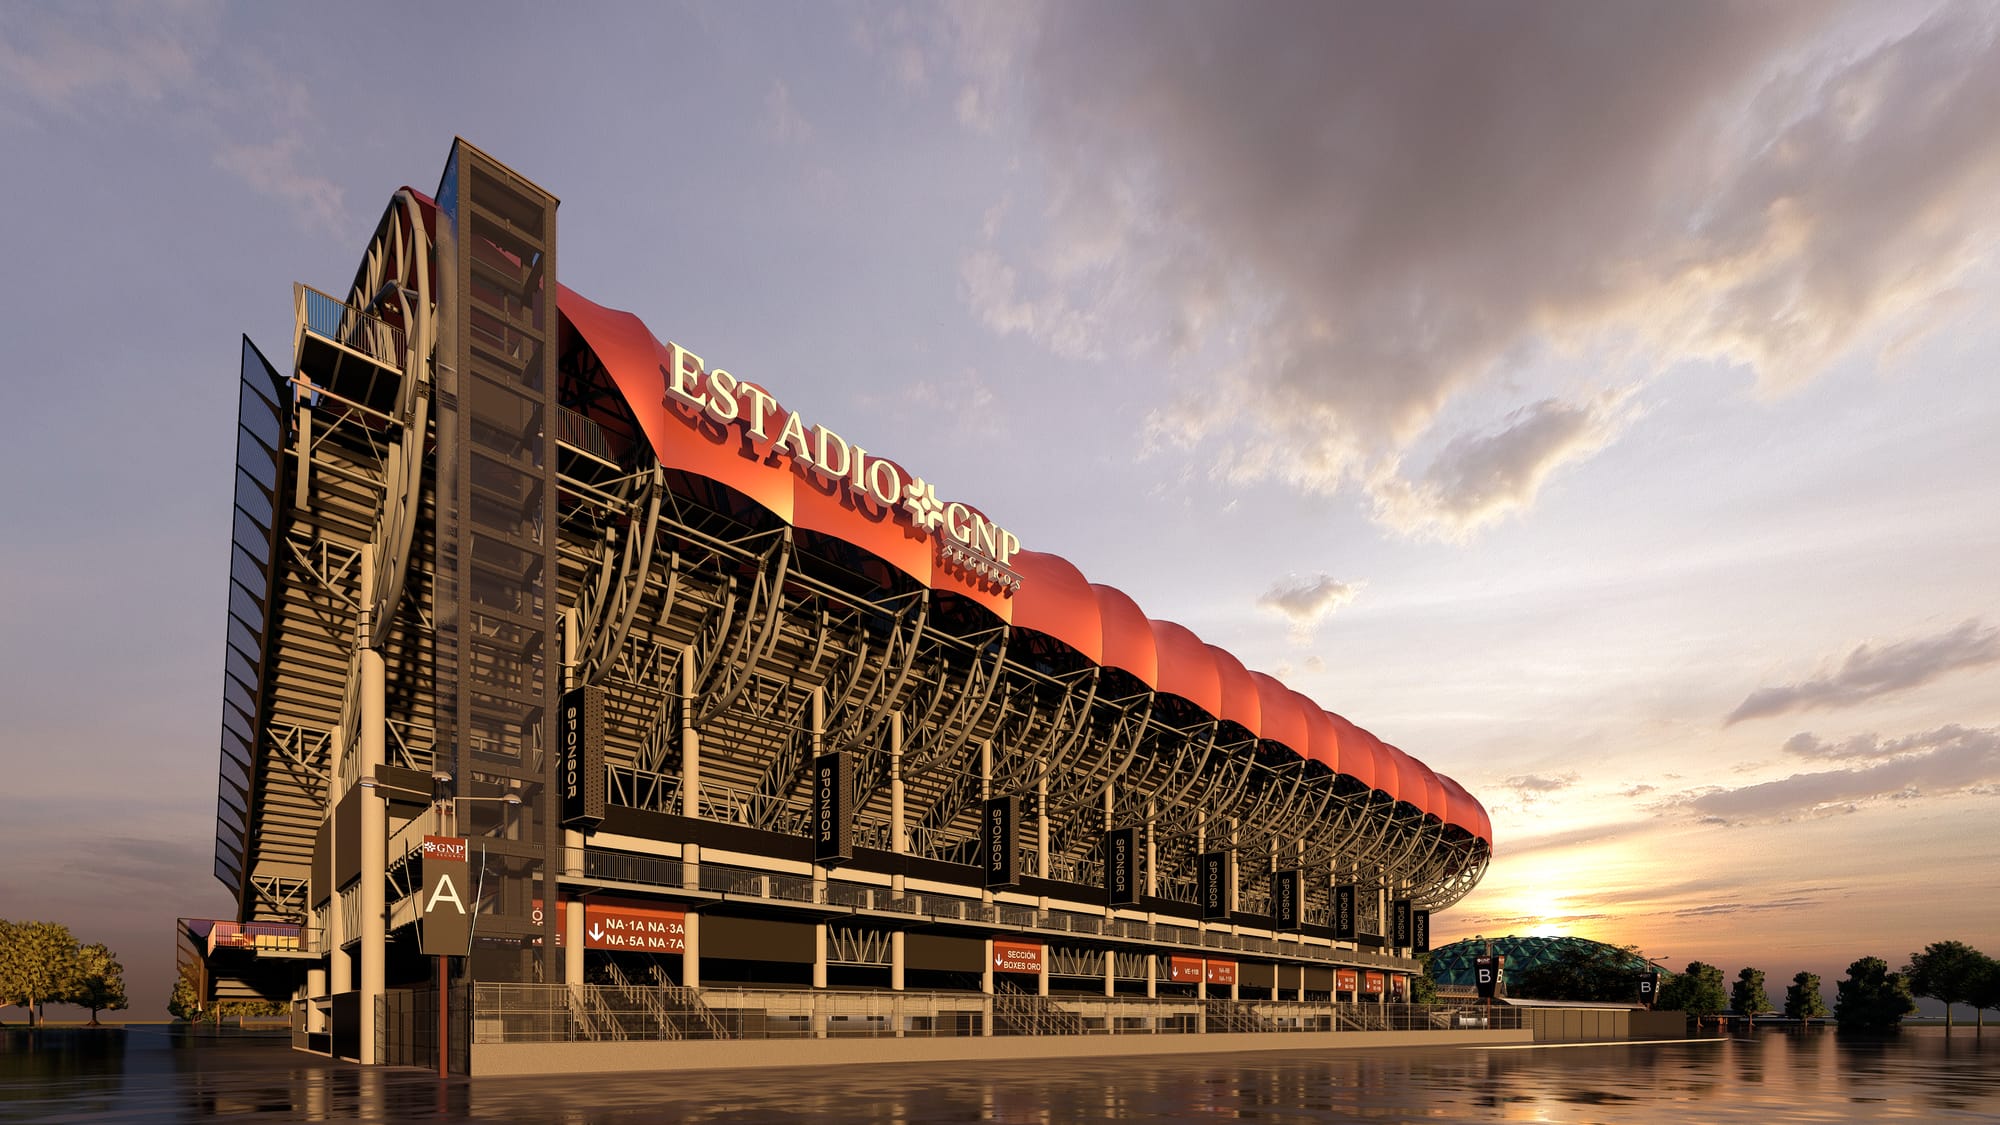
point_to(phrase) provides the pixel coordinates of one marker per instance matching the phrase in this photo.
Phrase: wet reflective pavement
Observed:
(157, 1074)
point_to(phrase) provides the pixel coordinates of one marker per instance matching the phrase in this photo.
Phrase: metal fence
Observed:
(332, 319)
(549, 1013)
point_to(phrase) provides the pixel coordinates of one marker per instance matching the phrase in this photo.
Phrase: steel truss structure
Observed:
(732, 647)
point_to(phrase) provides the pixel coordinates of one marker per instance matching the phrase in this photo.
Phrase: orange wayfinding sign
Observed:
(610, 924)
(1185, 970)
(1346, 980)
(1222, 972)
(1010, 956)
(1375, 983)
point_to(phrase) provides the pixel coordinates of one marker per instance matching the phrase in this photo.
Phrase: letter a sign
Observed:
(446, 897)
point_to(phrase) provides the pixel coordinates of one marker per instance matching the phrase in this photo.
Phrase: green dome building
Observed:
(1452, 964)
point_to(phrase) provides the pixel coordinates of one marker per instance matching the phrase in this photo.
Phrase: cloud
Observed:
(1869, 672)
(1359, 228)
(1306, 602)
(1726, 909)
(1481, 477)
(782, 119)
(138, 52)
(1527, 789)
(159, 64)
(273, 168)
(1948, 760)
(1536, 783)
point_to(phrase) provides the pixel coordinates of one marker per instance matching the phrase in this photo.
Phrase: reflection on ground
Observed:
(157, 1074)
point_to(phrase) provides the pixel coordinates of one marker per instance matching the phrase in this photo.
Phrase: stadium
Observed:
(577, 694)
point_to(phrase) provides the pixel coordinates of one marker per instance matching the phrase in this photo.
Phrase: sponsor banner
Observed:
(611, 924)
(1346, 980)
(1000, 842)
(1285, 900)
(1343, 912)
(1373, 983)
(1420, 931)
(445, 905)
(833, 824)
(580, 757)
(1486, 971)
(1185, 970)
(1121, 867)
(1213, 889)
(1649, 987)
(1399, 915)
(1011, 956)
(1222, 972)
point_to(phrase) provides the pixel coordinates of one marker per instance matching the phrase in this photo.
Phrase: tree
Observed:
(1872, 998)
(37, 964)
(1944, 971)
(1698, 991)
(1747, 996)
(1424, 986)
(185, 1004)
(99, 983)
(1985, 990)
(1802, 998)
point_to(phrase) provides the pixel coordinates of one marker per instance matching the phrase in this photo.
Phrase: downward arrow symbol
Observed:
(595, 933)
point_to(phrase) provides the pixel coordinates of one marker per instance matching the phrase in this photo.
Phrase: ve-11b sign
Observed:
(609, 924)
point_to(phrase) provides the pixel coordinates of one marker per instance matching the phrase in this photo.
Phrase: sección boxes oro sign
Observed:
(1017, 956)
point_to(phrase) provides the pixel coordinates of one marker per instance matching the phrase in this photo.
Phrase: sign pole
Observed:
(444, 1025)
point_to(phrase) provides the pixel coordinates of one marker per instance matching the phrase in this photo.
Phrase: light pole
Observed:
(441, 799)
(441, 789)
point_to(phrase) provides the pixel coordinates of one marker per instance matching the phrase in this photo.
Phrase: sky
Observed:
(1595, 401)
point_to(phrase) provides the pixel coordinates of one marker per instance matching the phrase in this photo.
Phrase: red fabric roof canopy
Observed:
(1100, 623)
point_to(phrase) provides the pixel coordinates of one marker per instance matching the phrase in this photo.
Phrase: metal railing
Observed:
(343, 324)
(751, 883)
(545, 1013)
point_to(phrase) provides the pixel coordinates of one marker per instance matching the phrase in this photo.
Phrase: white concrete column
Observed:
(572, 916)
(1110, 911)
(315, 988)
(1235, 875)
(571, 922)
(690, 740)
(1042, 853)
(1042, 829)
(340, 964)
(691, 952)
(1042, 977)
(1200, 923)
(985, 894)
(690, 781)
(1152, 890)
(899, 843)
(1152, 856)
(374, 817)
(899, 836)
(819, 978)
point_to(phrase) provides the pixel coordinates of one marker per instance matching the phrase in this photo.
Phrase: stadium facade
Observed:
(714, 711)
